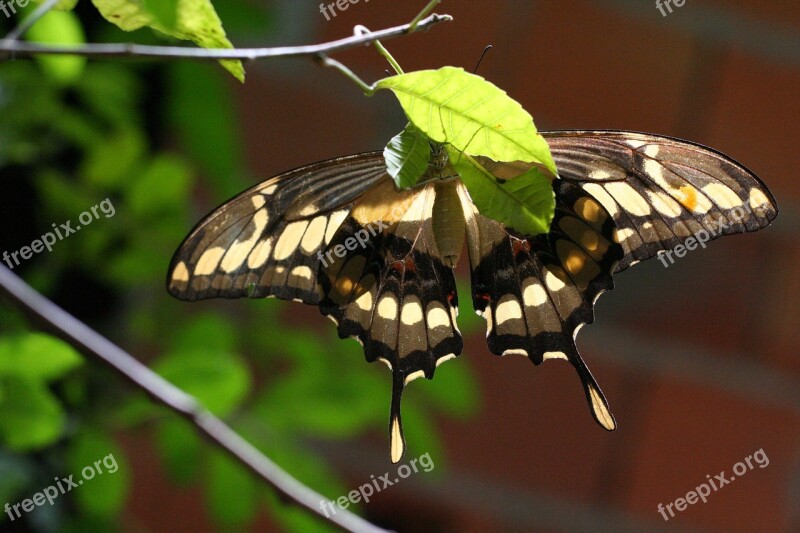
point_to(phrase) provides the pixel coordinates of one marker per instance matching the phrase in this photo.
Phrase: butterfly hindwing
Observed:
(536, 292)
(660, 190)
(393, 292)
(267, 240)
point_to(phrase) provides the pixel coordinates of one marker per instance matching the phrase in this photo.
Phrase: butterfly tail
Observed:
(597, 400)
(397, 442)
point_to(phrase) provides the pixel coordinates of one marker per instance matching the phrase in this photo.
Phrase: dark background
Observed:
(698, 361)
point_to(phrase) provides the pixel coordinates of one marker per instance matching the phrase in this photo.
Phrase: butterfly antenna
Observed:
(488, 47)
(396, 440)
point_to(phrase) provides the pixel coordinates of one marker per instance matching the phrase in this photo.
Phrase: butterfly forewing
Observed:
(661, 190)
(267, 240)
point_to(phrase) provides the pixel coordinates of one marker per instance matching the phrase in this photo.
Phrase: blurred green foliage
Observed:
(148, 136)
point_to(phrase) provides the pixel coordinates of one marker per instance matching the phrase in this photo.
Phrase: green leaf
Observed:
(219, 380)
(59, 27)
(452, 106)
(231, 490)
(200, 109)
(516, 194)
(30, 416)
(407, 156)
(109, 162)
(37, 356)
(164, 11)
(99, 464)
(196, 21)
(163, 185)
(179, 448)
(210, 331)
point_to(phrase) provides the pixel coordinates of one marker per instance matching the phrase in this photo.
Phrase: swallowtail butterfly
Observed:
(379, 261)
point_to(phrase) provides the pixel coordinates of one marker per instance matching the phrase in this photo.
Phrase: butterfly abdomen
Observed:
(449, 226)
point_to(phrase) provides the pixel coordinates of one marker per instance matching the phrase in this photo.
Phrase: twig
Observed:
(55, 320)
(30, 20)
(24, 49)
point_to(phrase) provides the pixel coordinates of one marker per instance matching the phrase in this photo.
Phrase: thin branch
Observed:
(24, 49)
(30, 20)
(58, 322)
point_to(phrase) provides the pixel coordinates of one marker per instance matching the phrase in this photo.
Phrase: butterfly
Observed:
(379, 261)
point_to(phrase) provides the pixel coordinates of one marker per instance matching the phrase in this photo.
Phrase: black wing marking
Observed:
(662, 190)
(536, 292)
(390, 289)
(267, 240)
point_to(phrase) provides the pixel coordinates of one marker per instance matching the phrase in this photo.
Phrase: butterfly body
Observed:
(379, 261)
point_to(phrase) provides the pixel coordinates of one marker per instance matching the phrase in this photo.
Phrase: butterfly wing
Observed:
(267, 240)
(662, 190)
(390, 289)
(536, 292)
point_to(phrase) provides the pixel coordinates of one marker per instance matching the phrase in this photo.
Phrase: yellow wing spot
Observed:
(397, 445)
(411, 313)
(533, 293)
(260, 254)
(757, 198)
(299, 273)
(269, 189)
(387, 307)
(412, 376)
(590, 240)
(258, 201)
(437, 316)
(314, 235)
(590, 210)
(553, 278)
(181, 273)
(574, 261)
(208, 262)
(722, 195)
(554, 355)
(290, 239)
(364, 302)
(508, 310)
(629, 198)
(600, 410)
(334, 221)
(239, 250)
(602, 196)
(445, 358)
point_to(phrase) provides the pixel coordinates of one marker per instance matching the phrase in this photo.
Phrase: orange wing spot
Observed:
(688, 197)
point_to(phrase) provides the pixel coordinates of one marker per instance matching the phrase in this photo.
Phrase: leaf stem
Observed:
(329, 62)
